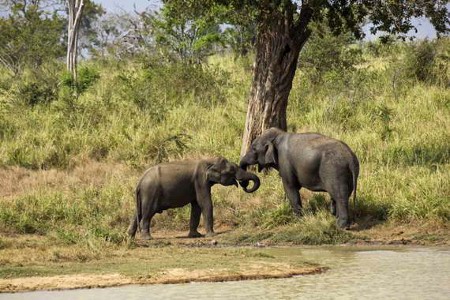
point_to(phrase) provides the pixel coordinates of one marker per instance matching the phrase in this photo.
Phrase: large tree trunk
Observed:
(278, 46)
(75, 8)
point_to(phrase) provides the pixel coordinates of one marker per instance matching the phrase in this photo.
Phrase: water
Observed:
(414, 273)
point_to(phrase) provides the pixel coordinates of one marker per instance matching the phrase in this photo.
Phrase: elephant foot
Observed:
(194, 234)
(298, 213)
(146, 236)
(210, 234)
(131, 233)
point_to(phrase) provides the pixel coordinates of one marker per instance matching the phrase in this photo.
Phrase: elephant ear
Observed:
(213, 172)
(270, 154)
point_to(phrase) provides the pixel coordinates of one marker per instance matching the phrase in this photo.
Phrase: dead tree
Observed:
(75, 8)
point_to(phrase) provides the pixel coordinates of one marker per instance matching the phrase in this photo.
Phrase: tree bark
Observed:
(75, 8)
(278, 46)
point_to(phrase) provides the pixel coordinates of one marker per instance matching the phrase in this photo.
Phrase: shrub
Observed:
(427, 61)
(36, 87)
(327, 51)
(86, 77)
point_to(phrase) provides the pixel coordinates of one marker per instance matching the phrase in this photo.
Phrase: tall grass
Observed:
(138, 114)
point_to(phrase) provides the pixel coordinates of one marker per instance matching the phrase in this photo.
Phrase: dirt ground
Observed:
(173, 275)
(31, 264)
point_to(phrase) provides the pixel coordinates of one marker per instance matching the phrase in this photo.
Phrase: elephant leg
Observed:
(340, 195)
(133, 227)
(195, 220)
(293, 194)
(342, 213)
(148, 211)
(352, 215)
(208, 214)
(207, 211)
(333, 207)
(146, 220)
(204, 201)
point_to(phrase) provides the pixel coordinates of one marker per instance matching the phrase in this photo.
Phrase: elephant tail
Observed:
(138, 207)
(354, 167)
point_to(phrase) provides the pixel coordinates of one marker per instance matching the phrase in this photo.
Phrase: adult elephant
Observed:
(176, 184)
(309, 160)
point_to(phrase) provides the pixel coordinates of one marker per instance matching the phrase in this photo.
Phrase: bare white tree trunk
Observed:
(75, 8)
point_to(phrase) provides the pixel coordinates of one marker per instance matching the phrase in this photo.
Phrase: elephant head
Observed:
(227, 173)
(263, 151)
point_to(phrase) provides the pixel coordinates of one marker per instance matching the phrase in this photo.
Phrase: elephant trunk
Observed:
(243, 165)
(245, 177)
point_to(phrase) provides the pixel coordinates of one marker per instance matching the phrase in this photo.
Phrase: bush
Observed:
(36, 87)
(86, 77)
(327, 52)
(427, 61)
(156, 88)
(84, 213)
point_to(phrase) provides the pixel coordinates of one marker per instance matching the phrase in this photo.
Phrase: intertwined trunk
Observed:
(278, 46)
(75, 8)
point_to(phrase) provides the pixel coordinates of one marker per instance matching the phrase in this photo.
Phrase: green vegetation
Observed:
(130, 263)
(145, 265)
(84, 151)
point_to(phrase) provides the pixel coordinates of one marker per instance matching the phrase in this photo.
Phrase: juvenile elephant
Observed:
(308, 160)
(175, 184)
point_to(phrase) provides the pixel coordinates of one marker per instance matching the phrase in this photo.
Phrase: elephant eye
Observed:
(228, 173)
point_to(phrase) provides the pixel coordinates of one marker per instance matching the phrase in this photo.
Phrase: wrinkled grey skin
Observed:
(309, 160)
(176, 184)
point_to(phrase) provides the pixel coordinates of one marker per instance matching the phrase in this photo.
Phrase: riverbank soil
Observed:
(33, 265)
(32, 262)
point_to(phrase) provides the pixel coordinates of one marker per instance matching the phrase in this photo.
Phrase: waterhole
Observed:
(355, 273)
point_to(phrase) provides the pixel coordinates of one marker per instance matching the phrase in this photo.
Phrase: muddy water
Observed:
(355, 273)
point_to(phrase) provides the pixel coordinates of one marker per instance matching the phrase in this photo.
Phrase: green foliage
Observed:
(29, 37)
(35, 86)
(97, 211)
(240, 38)
(313, 230)
(147, 111)
(135, 133)
(34, 91)
(151, 89)
(390, 17)
(271, 217)
(428, 61)
(34, 32)
(328, 53)
(182, 34)
(86, 77)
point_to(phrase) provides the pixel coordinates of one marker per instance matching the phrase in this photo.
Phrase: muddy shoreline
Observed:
(83, 281)
(31, 263)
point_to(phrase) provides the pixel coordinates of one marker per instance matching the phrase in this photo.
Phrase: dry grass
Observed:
(17, 181)
(68, 168)
(33, 264)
